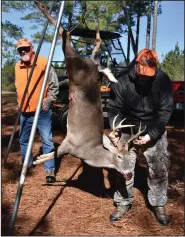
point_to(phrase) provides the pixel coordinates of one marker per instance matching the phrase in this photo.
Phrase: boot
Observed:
(160, 214)
(50, 177)
(119, 213)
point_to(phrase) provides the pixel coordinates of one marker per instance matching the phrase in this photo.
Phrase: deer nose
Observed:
(127, 175)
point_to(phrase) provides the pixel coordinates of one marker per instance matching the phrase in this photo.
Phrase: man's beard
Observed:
(142, 82)
(25, 58)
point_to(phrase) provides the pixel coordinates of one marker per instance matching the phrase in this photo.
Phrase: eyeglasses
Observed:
(150, 63)
(25, 49)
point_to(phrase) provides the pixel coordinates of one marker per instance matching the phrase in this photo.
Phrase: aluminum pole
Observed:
(33, 130)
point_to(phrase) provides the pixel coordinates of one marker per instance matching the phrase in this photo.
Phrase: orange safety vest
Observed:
(21, 76)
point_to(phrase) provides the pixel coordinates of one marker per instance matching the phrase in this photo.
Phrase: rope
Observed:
(83, 18)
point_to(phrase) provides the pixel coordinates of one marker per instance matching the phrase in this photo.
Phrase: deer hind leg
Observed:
(42, 158)
(62, 149)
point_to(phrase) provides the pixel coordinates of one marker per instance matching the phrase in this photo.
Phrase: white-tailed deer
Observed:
(85, 138)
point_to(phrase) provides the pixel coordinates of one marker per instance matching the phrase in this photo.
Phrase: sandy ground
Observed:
(80, 202)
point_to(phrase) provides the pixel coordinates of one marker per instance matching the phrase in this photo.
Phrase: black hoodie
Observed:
(151, 104)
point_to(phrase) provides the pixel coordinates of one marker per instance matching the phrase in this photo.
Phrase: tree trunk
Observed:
(148, 28)
(128, 46)
(129, 28)
(154, 26)
(137, 32)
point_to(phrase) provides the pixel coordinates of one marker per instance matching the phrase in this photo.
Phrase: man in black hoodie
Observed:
(143, 95)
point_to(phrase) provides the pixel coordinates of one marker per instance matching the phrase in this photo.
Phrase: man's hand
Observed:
(142, 140)
(115, 137)
(44, 106)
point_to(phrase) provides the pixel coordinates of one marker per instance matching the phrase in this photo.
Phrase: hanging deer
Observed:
(85, 138)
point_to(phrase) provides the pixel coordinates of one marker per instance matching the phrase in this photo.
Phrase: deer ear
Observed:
(108, 74)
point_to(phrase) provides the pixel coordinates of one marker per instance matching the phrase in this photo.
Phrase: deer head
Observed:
(121, 150)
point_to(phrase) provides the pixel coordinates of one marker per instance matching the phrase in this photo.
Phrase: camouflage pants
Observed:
(157, 158)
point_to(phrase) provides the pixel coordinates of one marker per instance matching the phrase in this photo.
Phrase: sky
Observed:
(170, 27)
(170, 30)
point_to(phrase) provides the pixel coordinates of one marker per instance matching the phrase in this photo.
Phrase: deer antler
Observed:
(136, 135)
(119, 145)
(116, 128)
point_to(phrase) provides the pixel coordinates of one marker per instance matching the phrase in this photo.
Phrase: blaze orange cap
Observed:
(23, 43)
(147, 60)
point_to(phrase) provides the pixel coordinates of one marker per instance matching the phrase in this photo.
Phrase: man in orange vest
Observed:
(44, 125)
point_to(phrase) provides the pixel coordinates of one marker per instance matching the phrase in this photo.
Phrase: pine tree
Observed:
(173, 64)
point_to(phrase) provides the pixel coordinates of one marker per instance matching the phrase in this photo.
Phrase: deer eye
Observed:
(120, 156)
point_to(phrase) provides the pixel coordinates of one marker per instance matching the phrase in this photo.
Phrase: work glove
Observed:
(142, 140)
(115, 137)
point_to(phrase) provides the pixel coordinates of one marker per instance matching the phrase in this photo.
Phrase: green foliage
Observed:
(8, 6)
(104, 12)
(109, 14)
(8, 76)
(10, 33)
(173, 64)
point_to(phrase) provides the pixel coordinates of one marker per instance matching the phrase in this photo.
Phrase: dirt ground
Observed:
(81, 200)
